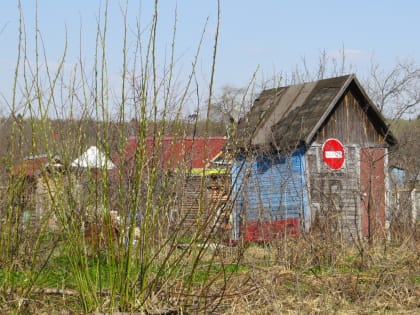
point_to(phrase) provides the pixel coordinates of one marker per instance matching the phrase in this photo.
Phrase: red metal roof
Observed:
(34, 165)
(173, 152)
(29, 166)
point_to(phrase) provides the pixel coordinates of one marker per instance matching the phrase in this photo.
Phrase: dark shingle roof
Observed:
(291, 115)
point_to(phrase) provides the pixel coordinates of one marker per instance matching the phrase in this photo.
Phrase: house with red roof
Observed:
(35, 187)
(33, 165)
(194, 165)
(170, 153)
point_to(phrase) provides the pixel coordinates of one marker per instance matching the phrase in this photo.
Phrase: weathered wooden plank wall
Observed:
(372, 187)
(199, 199)
(350, 124)
(335, 195)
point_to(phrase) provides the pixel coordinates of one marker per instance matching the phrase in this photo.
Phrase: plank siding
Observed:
(350, 124)
(192, 197)
(372, 178)
(198, 201)
(271, 189)
(334, 195)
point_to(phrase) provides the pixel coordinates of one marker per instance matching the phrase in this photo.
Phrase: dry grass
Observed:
(387, 281)
(304, 275)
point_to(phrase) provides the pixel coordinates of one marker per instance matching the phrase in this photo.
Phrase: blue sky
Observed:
(271, 36)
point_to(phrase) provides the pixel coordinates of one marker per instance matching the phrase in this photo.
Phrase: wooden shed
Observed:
(281, 181)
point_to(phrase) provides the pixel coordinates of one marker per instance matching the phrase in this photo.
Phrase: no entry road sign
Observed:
(333, 154)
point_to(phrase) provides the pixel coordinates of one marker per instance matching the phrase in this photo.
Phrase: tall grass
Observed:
(72, 237)
(111, 265)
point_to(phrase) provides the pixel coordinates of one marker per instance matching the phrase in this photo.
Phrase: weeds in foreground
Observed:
(113, 227)
(265, 282)
(63, 249)
(294, 281)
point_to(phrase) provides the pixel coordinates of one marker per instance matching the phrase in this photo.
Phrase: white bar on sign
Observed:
(333, 154)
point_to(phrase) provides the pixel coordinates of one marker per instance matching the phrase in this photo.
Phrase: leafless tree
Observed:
(396, 92)
(231, 104)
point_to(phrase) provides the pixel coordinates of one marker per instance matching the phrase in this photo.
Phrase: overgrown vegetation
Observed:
(63, 250)
(297, 275)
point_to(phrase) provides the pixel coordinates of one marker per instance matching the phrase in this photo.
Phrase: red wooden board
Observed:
(257, 231)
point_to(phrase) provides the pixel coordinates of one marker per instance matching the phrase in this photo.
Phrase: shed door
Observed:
(372, 185)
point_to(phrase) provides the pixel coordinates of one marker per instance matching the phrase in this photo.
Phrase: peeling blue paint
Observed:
(269, 188)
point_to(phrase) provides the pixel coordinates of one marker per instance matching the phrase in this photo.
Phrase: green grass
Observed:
(204, 273)
(57, 273)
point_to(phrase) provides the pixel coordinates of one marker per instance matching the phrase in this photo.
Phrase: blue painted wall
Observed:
(269, 188)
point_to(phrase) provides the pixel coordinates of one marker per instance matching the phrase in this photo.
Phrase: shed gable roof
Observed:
(289, 116)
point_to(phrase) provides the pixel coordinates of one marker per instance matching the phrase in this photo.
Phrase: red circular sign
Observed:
(333, 154)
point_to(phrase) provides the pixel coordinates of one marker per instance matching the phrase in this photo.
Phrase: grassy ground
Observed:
(388, 282)
(296, 276)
